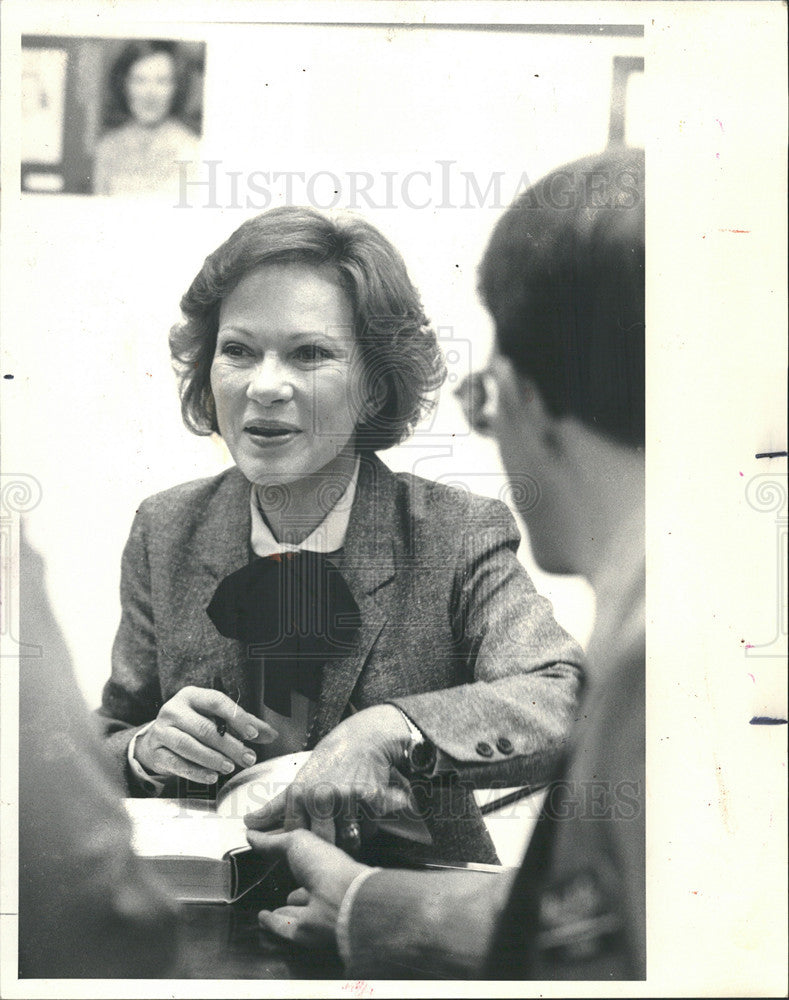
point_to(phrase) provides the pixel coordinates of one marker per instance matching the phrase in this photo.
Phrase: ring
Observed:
(349, 837)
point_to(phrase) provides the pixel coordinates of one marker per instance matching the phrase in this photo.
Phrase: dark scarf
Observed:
(294, 612)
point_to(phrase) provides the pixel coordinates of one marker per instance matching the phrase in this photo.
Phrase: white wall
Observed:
(97, 281)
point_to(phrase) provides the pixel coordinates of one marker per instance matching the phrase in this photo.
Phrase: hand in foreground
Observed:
(323, 873)
(349, 770)
(184, 739)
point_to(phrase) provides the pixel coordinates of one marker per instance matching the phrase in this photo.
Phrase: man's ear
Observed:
(520, 403)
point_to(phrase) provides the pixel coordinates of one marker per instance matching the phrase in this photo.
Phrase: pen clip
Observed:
(216, 684)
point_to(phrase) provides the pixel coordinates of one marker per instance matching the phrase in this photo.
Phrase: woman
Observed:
(306, 347)
(148, 89)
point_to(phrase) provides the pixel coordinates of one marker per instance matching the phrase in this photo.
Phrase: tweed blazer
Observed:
(577, 906)
(453, 631)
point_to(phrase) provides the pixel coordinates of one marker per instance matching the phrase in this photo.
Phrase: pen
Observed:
(221, 725)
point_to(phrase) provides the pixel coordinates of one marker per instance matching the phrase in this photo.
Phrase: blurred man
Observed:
(564, 397)
(86, 907)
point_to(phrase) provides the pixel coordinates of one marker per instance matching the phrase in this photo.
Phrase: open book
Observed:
(199, 851)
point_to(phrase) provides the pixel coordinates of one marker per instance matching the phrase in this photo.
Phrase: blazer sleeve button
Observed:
(484, 749)
(504, 745)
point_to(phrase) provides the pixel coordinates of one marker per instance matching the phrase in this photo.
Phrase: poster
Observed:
(43, 104)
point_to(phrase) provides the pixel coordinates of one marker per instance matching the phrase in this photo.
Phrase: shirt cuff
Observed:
(154, 783)
(444, 763)
(344, 913)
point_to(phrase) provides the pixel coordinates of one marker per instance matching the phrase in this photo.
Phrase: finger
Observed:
(323, 828)
(309, 804)
(296, 815)
(269, 816)
(389, 800)
(186, 746)
(273, 846)
(291, 805)
(203, 729)
(364, 803)
(283, 922)
(323, 807)
(299, 897)
(351, 802)
(245, 725)
(308, 857)
(167, 762)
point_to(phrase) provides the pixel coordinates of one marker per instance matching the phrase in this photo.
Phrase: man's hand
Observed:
(185, 739)
(323, 873)
(349, 771)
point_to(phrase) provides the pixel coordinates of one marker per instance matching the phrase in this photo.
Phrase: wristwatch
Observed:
(420, 753)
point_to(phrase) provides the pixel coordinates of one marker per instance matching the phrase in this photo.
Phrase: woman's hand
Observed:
(185, 739)
(350, 769)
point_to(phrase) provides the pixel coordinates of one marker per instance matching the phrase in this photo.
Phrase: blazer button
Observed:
(504, 745)
(484, 749)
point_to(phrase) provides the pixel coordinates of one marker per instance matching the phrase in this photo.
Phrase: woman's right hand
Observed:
(184, 739)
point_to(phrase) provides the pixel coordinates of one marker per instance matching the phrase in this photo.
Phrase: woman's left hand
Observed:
(349, 771)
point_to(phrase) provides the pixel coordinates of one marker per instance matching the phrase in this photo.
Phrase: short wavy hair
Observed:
(117, 111)
(403, 364)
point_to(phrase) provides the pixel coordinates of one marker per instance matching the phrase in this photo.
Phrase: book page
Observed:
(257, 785)
(173, 828)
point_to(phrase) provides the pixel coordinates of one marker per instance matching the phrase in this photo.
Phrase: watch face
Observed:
(423, 756)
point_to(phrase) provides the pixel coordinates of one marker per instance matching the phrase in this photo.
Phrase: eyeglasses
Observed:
(478, 398)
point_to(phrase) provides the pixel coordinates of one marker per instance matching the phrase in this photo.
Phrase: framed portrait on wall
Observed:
(109, 116)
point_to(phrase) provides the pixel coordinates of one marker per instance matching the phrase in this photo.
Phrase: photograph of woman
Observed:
(309, 597)
(149, 86)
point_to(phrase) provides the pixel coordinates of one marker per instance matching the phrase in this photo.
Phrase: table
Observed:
(224, 941)
(221, 941)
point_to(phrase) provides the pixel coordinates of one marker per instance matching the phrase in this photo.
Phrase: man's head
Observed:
(563, 278)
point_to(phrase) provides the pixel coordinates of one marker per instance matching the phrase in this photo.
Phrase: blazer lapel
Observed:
(367, 564)
(223, 546)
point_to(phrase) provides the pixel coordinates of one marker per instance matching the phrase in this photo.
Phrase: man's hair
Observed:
(563, 278)
(403, 364)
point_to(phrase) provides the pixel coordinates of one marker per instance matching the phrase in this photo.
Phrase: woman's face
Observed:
(150, 87)
(286, 375)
